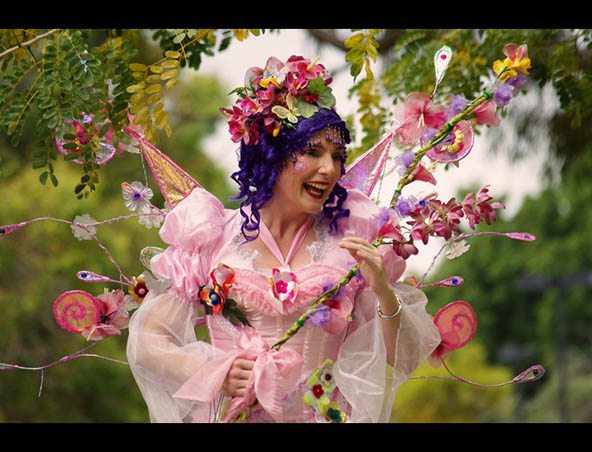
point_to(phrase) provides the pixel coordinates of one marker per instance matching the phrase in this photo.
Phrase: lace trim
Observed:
(317, 249)
(243, 253)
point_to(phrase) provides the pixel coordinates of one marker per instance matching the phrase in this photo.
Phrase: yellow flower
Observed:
(240, 33)
(138, 289)
(516, 60)
(265, 82)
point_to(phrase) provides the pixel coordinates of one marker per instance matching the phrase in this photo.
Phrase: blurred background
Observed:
(531, 298)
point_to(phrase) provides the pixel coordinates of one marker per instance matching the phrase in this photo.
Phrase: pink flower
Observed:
(457, 324)
(422, 174)
(445, 217)
(237, 126)
(404, 250)
(267, 96)
(295, 82)
(480, 208)
(283, 285)
(253, 76)
(239, 131)
(415, 115)
(340, 315)
(274, 67)
(306, 68)
(420, 231)
(112, 316)
(391, 229)
(249, 107)
(485, 114)
(516, 52)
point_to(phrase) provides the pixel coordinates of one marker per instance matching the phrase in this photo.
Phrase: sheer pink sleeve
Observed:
(162, 349)
(163, 353)
(362, 373)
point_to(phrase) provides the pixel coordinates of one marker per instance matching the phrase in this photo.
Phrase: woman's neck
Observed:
(282, 223)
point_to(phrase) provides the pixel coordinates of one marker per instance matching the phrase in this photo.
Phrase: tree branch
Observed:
(328, 36)
(29, 43)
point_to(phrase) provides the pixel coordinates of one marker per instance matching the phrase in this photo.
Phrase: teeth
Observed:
(319, 187)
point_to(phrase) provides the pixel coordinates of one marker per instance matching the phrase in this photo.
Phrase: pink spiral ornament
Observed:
(76, 310)
(456, 146)
(457, 325)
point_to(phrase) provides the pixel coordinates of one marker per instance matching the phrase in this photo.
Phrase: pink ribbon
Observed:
(273, 374)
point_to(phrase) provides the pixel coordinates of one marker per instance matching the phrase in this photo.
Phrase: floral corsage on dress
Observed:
(214, 296)
(321, 393)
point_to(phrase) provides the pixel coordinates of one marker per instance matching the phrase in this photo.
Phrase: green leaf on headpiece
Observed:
(326, 100)
(317, 85)
(305, 109)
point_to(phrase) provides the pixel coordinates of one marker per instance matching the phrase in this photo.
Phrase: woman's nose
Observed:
(327, 165)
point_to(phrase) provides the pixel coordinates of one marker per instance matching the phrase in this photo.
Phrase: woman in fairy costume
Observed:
(255, 270)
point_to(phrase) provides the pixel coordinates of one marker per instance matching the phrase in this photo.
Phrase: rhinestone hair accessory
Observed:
(278, 95)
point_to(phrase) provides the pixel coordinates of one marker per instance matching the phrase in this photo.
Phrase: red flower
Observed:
(215, 295)
(422, 174)
(318, 391)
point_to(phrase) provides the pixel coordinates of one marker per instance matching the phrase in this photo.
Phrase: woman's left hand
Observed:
(370, 262)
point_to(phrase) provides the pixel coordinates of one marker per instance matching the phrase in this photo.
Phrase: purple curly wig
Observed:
(260, 165)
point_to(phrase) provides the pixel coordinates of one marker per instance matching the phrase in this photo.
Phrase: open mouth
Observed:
(315, 189)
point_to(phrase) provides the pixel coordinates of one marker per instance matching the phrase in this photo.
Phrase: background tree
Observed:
(41, 261)
(522, 322)
(49, 76)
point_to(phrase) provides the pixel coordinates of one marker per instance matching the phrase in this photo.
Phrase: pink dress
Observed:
(337, 360)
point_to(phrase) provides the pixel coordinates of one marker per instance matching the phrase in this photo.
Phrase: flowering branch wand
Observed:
(439, 137)
(405, 180)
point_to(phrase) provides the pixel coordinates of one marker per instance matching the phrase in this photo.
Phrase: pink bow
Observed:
(273, 374)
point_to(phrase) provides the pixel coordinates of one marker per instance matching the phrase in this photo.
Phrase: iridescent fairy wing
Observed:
(365, 171)
(174, 182)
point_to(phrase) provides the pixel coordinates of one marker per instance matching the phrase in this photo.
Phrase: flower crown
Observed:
(276, 95)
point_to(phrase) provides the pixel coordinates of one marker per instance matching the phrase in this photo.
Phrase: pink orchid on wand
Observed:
(430, 217)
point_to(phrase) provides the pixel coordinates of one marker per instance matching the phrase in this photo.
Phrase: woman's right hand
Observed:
(237, 378)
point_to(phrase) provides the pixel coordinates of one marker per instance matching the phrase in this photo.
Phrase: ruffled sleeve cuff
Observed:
(192, 229)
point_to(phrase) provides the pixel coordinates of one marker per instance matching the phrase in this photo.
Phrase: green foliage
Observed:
(67, 79)
(70, 73)
(438, 400)
(40, 261)
(195, 43)
(372, 117)
(557, 56)
(362, 48)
